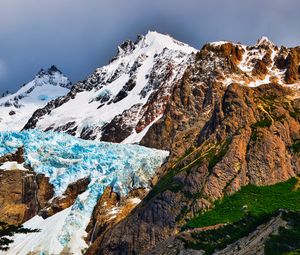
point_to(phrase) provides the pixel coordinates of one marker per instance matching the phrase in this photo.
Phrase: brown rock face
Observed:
(18, 156)
(260, 69)
(221, 138)
(110, 210)
(66, 200)
(293, 61)
(22, 195)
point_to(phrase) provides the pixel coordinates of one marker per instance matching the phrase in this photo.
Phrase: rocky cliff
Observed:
(233, 119)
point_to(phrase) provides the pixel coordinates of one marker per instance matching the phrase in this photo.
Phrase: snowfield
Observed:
(17, 108)
(65, 159)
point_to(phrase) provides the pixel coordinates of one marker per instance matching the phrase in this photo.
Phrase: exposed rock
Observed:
(22, 195)
(118, 129)
(260, 69)
(293, 62)
(18, 157)
(110, 210)
(66, 200)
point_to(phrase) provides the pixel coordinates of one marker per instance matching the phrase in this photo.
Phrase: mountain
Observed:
(220, 174)
(232, 121)
(17, 108)
(120, 101)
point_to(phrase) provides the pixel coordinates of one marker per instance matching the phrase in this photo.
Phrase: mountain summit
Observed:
(16, 108)
(120, 101)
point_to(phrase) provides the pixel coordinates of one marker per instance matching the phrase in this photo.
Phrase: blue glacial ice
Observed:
(65, 159)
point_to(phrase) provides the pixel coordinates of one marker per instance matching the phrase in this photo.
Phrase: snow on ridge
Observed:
(65, 159)
(264, 41)
(17, 108)
(153, 63)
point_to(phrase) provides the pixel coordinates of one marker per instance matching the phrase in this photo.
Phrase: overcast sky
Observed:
(80, 35)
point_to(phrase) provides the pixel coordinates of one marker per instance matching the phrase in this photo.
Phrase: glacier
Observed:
(65, 159)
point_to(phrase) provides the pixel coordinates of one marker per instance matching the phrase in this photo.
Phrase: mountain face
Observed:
(120, 101)
(232, 120)
(228, 115)
(16, 109)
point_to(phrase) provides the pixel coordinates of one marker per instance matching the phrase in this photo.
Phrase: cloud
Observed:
(80, 35)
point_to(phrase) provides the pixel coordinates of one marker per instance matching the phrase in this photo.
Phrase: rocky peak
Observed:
(126, 47)
(50, 71)
(52, 76)
(264, 41)
(17, 108)
(53, 69)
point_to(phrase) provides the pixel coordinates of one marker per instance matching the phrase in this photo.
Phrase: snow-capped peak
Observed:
(16, 108)
(264, 41)
(52, 76)
(124, 97)
(153, 41)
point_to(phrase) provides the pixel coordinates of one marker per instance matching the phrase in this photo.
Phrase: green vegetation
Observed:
(295, 113)
(288, 239)
(242, 212)
(7, 231)
(296, 146)
(216, 157)
(259, 124)
(293, 110)
(250, 200)
(219, 238)
(262, 123)
(254, 135)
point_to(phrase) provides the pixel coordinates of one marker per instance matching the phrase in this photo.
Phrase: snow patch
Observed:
(13, 165)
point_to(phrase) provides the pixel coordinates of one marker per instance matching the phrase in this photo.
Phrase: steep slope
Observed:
(120, 101)
(75, 168)
(232, 120)
(16, 109)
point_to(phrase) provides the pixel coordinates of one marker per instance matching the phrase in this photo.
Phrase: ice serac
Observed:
(17, 108)
(65, 160)
(125, 97)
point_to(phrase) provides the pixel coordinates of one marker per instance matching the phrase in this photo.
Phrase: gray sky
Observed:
(80, 35)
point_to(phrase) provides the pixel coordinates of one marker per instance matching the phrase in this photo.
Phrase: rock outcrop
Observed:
(66, 200)
(110, 210)
(23, 193)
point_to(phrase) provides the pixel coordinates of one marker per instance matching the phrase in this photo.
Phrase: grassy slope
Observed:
(251, 200)
(243, 212)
